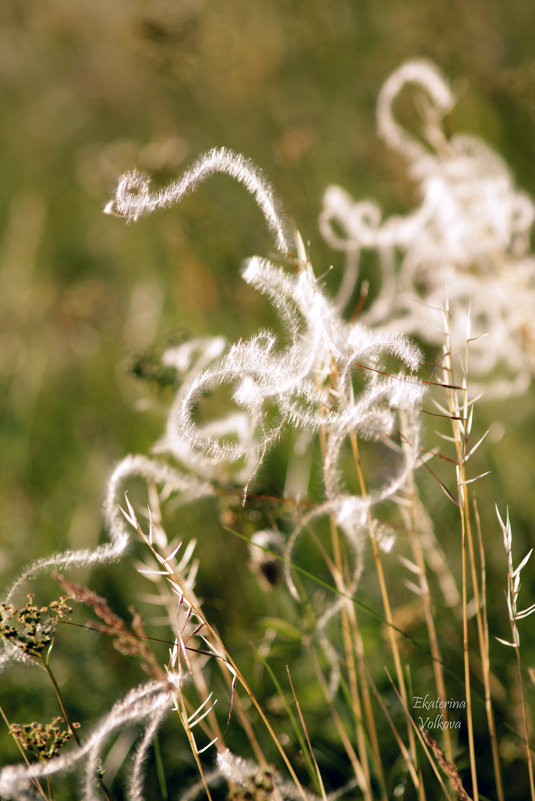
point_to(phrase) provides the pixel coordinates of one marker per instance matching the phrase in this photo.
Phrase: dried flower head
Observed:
(129, 641)
(43, 741)
(31, 628)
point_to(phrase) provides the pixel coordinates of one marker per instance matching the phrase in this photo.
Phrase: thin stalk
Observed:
(349, 622)
(183, 716)
(309, 744)
(525, 722)
(160, 772)
(57, 691)
(196, 672)
(460, 437)
(434, 644)
(302, 744)
(466, 662)
(358, 672)
(483, 641)
(386, 604)
(257, 706)
(361, 778)
(420, 731)
(402, 747)
(485, 657)
(184, 592)
(350, 661)
(429, 619)
(202, 689)
(366, 698)
(248, 729)
(68, 720)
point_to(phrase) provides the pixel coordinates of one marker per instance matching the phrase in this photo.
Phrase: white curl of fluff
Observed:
(292, 376)
(171, 480)
(190, 359)
(306, 377)
(303, 378)
(243, 772)
(134, 199)
(145, 704)
(466, 244)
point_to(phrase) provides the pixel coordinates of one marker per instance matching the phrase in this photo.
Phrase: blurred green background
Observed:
(89, 88)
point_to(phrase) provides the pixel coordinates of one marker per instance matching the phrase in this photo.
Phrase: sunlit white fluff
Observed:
(145, 704)
(300, 376)
(134, 199)
(466, 242)
(169, 479)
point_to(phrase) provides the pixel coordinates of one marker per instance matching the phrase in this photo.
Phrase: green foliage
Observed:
(88, 88)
